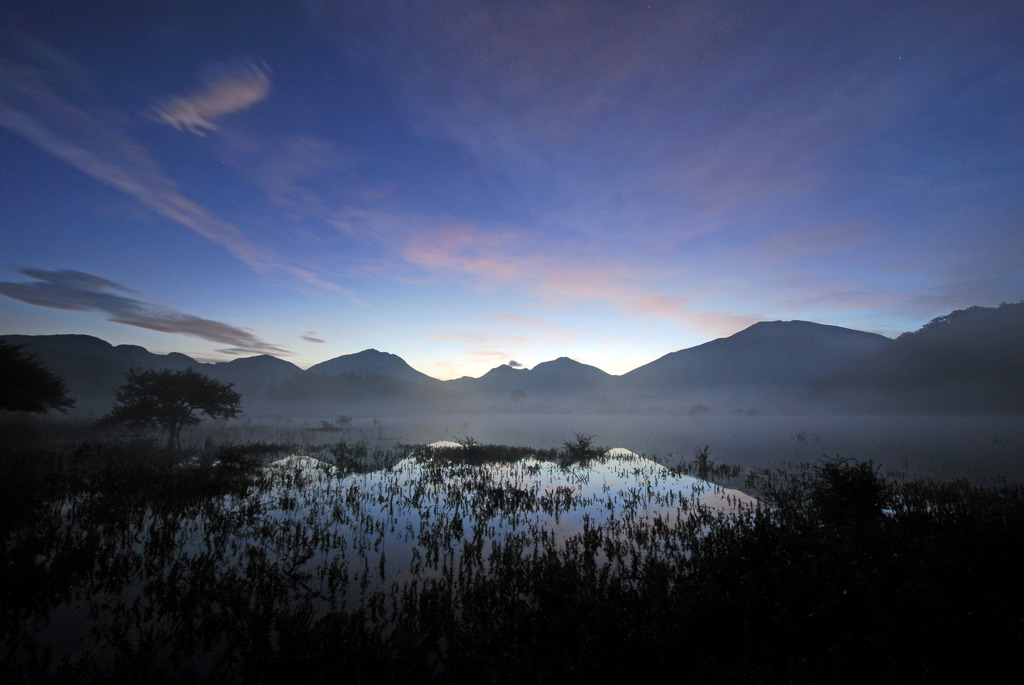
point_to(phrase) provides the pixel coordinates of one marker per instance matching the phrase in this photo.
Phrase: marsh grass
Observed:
(705, 467)
(243, 562)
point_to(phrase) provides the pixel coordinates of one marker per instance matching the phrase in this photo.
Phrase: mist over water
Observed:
(939, 446)
(943, 401)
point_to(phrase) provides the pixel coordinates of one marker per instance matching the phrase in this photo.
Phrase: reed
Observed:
(247, 561)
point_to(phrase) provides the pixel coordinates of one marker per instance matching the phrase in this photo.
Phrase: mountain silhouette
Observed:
(370, 363)
(356, 382)
(783, 354)
(92, 368)
(562, 376)
(969, 361)
(252, 377)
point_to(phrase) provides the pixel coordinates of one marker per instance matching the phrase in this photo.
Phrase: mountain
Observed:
(252, 376)
(559, 377)
(265, 366)
(370, 363)
(93, 368)
(568, 375)
(357, 382)
(969, 361)
(783, 354)
(501, 380)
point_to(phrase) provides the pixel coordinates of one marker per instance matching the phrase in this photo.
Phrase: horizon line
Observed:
(441, 380)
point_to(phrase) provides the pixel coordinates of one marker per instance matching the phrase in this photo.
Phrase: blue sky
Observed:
(465, 184)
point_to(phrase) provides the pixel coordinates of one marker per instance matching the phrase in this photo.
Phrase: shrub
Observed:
(580, 449)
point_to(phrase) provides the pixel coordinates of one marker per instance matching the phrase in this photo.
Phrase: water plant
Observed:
(434, 562)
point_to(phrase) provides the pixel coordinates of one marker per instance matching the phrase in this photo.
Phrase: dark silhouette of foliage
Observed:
(704, 461)
(928, 584)
(705, 467)
(845, 492)
(580, 449)
(244, 454)
(27, 385)
(970, 361)
(171, 400)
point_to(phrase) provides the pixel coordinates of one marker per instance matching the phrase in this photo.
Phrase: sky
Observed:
(469, 184)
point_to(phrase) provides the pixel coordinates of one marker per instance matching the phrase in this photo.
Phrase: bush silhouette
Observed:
(845, 492)
(580, 449)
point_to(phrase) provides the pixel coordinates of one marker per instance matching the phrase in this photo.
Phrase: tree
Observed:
(27, 385)
(171, 400)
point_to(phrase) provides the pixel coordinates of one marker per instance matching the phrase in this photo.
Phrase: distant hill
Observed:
(969, 361)
(237, 370)
(359, 381)
(370, 363)
(559, 377)
(783, 354)
(501, 380)
(253, 377)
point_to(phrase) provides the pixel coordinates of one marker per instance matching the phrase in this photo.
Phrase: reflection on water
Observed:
(420, 517)
(305, 534)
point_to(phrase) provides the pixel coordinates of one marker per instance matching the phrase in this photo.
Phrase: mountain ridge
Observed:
(774, 363)
(370, 362)
(766, 353)
(971, 360)
(558, 376)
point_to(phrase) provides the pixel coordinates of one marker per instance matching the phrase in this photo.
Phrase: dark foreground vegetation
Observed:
(160, 566)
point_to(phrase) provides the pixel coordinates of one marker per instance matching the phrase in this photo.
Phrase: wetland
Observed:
(345, 555)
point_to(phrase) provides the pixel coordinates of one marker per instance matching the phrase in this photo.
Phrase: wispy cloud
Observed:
(506, 257)
(676, 109)
(538, 329)
(549, 276)
(618, 95)
(291, 169)
(312, 337)
(225, 88)
(77, 291)
(516, 320)
(60, 118)
(478, 73)
(492, 357)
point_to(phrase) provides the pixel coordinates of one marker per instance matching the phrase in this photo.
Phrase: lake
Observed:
(186, 576)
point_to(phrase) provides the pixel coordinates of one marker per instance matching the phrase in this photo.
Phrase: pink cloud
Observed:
(516, 320)
(504, 256)
(226, 88)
